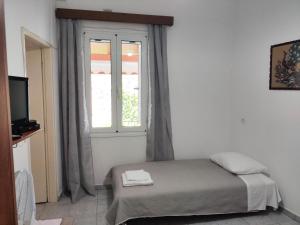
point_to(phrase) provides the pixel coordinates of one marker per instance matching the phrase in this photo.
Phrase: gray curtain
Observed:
(76, 143)
(159, 135)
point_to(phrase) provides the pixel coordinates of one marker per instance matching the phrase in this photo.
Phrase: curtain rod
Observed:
(62, 13)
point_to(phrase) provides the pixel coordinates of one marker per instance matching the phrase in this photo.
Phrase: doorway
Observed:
(38, 58)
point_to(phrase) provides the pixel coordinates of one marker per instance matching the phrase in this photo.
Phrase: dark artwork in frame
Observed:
(285, 66)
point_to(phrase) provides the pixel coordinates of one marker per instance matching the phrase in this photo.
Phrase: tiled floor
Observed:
(91, 211)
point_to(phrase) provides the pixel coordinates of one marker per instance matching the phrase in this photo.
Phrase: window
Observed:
(116, 71)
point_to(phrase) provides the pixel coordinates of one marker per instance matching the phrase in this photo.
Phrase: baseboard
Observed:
(104, 187)
(290, 214)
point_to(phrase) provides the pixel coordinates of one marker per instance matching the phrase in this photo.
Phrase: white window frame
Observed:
(116, 37)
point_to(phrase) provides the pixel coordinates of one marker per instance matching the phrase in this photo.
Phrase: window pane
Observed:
(101, 83)
(131, 83)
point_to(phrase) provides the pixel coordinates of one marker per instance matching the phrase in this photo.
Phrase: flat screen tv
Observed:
(18, 90)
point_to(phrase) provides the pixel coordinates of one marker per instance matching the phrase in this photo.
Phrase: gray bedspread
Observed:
(184, 187)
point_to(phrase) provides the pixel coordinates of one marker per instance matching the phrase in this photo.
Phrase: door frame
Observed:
(8, 209)
(51, 147)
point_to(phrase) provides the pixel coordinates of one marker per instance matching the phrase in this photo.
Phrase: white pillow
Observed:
(238, 163)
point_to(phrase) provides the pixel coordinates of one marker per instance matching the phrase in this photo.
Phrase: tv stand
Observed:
(24, 136)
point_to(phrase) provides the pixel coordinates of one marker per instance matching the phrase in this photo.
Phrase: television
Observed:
(18, 90)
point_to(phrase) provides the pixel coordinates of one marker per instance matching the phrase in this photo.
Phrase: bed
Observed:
(189, 187)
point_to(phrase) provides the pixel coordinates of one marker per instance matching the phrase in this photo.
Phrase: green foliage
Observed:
(130, 112)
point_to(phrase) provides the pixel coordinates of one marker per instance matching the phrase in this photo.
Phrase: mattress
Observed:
(181, 188)
(189, 187)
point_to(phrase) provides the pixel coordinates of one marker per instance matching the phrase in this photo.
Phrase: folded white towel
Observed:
(137, 175)
(127, 183)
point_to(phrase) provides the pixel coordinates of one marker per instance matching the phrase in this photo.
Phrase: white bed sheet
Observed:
(262, 192)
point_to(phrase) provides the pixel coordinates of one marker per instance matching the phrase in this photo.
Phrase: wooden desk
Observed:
(24, 136)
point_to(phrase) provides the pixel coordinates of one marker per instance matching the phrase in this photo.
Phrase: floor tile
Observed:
(85, 207)
(105, 194)
(290, 223)
(219, 220)
(234, 221)
(101, 220)
(53, 211)
(259, 220)
(64, 200)
(39, 209)
(86, 220)
(280, 217)
(103, 204)
(204, 223)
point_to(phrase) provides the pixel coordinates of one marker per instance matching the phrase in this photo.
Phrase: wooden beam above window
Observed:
(113, 17)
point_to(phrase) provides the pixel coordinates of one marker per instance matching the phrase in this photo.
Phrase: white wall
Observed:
(200, 50)
(36, 16)
(272, 118)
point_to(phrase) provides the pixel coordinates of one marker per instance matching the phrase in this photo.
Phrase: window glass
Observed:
(131, 83)
(101, 83)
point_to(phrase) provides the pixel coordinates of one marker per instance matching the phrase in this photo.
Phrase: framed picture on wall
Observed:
(285, 66)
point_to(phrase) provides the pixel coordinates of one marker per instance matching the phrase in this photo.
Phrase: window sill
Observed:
(116, 135)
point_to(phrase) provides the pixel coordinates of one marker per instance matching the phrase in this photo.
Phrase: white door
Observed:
(36, 112)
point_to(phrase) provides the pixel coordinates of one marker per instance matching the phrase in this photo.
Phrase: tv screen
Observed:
(18, 90)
